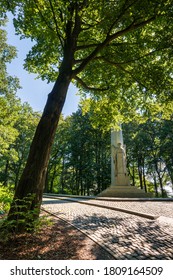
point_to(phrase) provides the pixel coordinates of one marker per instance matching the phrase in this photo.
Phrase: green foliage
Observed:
(9, 104)
(120, 51)
(6, 196)
(80, 158)
(16, 132)
(26, 220)
(149, 154)
(8, 84)
(9, 107)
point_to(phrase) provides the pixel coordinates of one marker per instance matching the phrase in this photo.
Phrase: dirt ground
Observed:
(58, 241)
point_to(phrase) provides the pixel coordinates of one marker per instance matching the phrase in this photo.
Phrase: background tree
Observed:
(14, 157)
(166, 138)
(25, 126)
(9, 104)
(8, 86)
(148, 154)
(55, 179)
(8, 114)
(80, 157)
(99, 44)
(15, 118)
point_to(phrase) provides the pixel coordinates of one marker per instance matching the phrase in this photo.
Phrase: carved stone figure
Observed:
(119, 159)
(119, 174)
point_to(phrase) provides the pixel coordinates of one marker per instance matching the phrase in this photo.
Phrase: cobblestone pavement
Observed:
(126, 236)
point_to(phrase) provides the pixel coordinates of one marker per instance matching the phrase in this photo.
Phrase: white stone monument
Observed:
(120, 182)
(119, 174)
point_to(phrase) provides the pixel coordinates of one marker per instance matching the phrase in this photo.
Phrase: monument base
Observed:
(124, 192)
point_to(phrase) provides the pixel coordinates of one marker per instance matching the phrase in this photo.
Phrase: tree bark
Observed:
(144, 179)
(155, 185)
(6, 173)
(32, 180)
(140, 177)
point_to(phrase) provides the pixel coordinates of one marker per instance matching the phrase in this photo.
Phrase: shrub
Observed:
(6, 196)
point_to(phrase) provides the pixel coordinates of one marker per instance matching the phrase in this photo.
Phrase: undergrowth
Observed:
(22, 218)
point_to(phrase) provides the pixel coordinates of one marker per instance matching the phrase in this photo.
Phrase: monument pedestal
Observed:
(124, 192)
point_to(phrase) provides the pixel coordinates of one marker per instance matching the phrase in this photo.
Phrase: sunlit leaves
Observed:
(122, 46)
(8, 116)
(9, 104)
(7, 53)
(80, 158)
(17, 126)
(149, 152)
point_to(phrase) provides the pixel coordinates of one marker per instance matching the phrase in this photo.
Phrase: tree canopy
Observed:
(120, 51)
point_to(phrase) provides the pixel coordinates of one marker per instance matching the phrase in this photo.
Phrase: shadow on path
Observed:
(61, 241)
(129, 239)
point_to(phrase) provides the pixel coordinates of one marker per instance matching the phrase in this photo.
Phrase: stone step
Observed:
(124, 191)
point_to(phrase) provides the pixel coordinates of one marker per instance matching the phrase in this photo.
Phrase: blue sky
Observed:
(34, 91)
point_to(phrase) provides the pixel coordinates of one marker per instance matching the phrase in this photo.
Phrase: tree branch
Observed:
(119, 65)
(77, 26)
(43, 18)
(124, 62)
(112, 25)
(129, 73)
(77, 61)
(131, 27)
(109, 39)
(83, 47)
(124, 9)
(56, 24)
(80, 81)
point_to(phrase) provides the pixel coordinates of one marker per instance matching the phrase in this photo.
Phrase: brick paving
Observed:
(124, 235)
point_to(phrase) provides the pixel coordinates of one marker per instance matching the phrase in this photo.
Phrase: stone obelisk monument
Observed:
(120, 182)
(119, 175)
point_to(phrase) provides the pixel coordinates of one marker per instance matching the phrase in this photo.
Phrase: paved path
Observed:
(124, 235)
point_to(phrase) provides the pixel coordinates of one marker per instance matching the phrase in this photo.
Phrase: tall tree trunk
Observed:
(62, 178)
(161, 185)
(140, 177)
(170, 172)
(33, 178)
(155, 185)
(144, 179)
(46, 187)
(52, 179)
(5, 183)
(133, 175)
